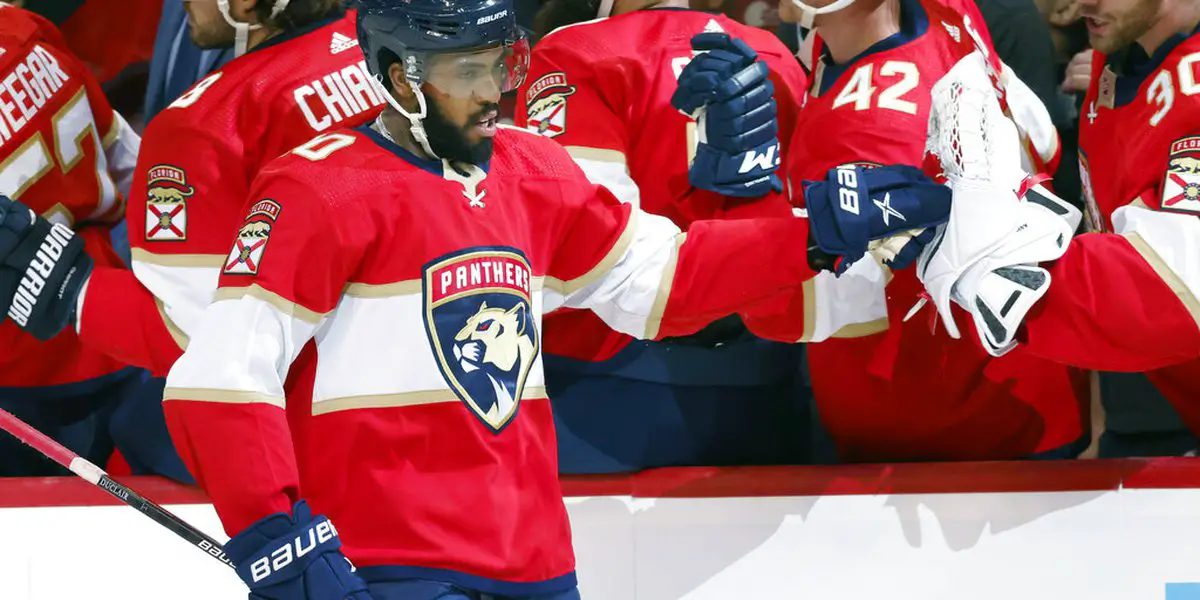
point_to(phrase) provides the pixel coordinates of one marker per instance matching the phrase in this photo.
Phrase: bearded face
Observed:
(1115, 24)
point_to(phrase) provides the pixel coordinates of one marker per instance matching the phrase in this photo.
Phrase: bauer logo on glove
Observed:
(887, 210)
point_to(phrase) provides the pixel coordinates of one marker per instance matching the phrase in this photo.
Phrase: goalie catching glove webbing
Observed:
(1001, 225)
(42, 269)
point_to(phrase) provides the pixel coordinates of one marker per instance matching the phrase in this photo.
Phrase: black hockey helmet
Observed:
(414, 30)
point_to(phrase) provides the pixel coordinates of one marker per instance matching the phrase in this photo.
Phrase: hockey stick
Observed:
(96, 476)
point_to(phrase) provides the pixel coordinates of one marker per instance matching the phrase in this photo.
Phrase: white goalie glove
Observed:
(986, 256)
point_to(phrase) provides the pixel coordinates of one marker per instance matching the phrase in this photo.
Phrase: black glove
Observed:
(42, 270)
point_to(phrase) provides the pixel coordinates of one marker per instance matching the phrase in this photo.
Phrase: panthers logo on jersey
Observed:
(478, 320)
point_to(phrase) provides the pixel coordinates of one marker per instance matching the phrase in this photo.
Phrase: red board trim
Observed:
(706, 482)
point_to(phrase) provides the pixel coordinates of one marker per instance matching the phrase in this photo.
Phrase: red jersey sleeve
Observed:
(186, 197)
(225, 397)
(647, 279)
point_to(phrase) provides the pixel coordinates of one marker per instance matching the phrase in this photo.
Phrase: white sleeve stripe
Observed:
(183, 292)
(403, 399)
(221, 396)
(654, 320)
(851, 305)
(279, 303)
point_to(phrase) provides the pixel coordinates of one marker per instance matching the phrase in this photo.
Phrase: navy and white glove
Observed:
(296, 557)
(42, 269)
(889, 210)
(727, 91)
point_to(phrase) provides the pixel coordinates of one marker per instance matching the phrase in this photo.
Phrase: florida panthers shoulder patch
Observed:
(1181, 184)
(547, 102)
(167, 193)
(247, 253)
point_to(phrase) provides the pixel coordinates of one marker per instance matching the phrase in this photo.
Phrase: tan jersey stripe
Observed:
(654, 320)
(178, 260)
(177, 334)
(600, 154)
(332, 405)
(1168, 275)
(221, 396)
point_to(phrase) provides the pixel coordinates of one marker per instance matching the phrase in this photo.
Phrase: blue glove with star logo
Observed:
(727, 91)
(890, 211)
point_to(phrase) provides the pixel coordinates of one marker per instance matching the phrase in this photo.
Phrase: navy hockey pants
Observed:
(121, 409)
(422, 589)
(670, 404)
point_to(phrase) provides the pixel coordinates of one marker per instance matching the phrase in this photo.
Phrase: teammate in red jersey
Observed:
(419, 255)
(302, 75)
(925, 397)
(602, 88)
(1124, 298)
(67, 155)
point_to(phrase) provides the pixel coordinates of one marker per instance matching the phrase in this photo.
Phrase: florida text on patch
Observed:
(479, 322)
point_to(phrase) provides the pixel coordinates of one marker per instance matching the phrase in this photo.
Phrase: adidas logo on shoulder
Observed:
(713, 27)
(341, 43)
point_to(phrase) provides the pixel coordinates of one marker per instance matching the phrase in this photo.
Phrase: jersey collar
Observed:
(914, 22)
(435, 167)
(1132, 66)
(291, 34)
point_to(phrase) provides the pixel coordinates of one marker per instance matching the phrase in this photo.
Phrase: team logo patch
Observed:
(477, 318)
(247, 253)
(167, 193)
(1181, 185)
(547, 101)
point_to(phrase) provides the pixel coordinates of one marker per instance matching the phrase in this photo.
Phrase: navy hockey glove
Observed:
(295, 557)
(727, 90)
(896, 207)
(42, 269)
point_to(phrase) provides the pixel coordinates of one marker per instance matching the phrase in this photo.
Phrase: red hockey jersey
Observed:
(1128, 302)
(925, 396)
(193, 174)
(603, 89)
(66, 154)
(423, 287)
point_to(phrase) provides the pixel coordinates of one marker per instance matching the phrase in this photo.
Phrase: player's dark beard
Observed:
(449, 141)
(560, 13)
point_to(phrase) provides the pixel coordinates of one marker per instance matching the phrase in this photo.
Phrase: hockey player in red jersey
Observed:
(602, 88)
(1123, 298)
(68, 156)
(300, 75)
(418, 256)
(924, 396)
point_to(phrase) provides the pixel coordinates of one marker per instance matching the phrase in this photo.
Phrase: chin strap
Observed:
(605, 10)
(809, 13)
(241, 31)
(415, 127)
